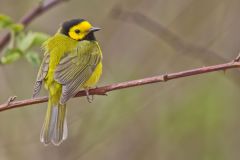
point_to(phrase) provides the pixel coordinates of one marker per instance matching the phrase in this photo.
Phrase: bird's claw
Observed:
(90, 98)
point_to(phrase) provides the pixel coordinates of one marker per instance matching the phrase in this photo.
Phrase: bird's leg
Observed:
(88, 96)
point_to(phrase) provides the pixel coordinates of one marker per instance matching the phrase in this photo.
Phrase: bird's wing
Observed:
(75, 69)
(41, 74)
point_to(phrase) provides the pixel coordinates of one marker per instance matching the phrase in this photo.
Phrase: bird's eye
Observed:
(77, 31)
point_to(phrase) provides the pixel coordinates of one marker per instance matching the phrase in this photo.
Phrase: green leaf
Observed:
(16, 27)
(5, 21)
(10, 56)
(26, 41)
(31, 39)
(33, 57)
(39, 38)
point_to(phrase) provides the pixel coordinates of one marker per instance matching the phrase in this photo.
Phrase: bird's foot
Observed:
(90, 98)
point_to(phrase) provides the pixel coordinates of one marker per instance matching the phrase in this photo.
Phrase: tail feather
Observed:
(55, 125)
(49, 124)
(60, 130)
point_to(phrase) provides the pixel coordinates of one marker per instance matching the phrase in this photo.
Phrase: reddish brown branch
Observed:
(30, 16)
(103, 90)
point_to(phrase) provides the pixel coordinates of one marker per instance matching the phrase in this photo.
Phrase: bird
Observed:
(72, 61)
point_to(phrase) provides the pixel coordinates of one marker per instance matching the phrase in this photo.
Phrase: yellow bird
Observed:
(72, 60)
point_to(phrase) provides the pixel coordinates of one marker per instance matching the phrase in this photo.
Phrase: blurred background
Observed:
(189, 118)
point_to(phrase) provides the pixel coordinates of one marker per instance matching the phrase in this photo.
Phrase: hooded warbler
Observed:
(72, 61)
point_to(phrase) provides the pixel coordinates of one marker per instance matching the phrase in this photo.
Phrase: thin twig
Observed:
(162, 32)
(178, 43)
(237, 59)
(103, 90)
(30, 16)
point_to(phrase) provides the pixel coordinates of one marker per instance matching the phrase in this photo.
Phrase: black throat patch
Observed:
(90, 37)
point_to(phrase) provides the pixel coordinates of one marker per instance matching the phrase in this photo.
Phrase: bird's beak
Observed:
(94, 29)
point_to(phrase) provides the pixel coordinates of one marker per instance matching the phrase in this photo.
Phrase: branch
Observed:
(30, 16)
(10, 104)
(181, 46)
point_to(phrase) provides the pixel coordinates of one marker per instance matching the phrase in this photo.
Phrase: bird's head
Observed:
(78, 29)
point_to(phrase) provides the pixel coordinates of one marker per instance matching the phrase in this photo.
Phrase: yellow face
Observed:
(80, 30)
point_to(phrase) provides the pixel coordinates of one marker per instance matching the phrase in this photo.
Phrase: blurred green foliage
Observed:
(22, 43)
(6, 22)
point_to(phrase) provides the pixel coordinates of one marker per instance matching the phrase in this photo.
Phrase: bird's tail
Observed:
(55, 125)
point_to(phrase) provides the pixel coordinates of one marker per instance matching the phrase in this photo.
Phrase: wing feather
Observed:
(75, 69)
(41, 75)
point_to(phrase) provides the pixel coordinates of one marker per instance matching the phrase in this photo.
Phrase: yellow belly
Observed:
(95, 76)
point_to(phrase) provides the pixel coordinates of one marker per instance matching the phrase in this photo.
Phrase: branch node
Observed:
(165, 77)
